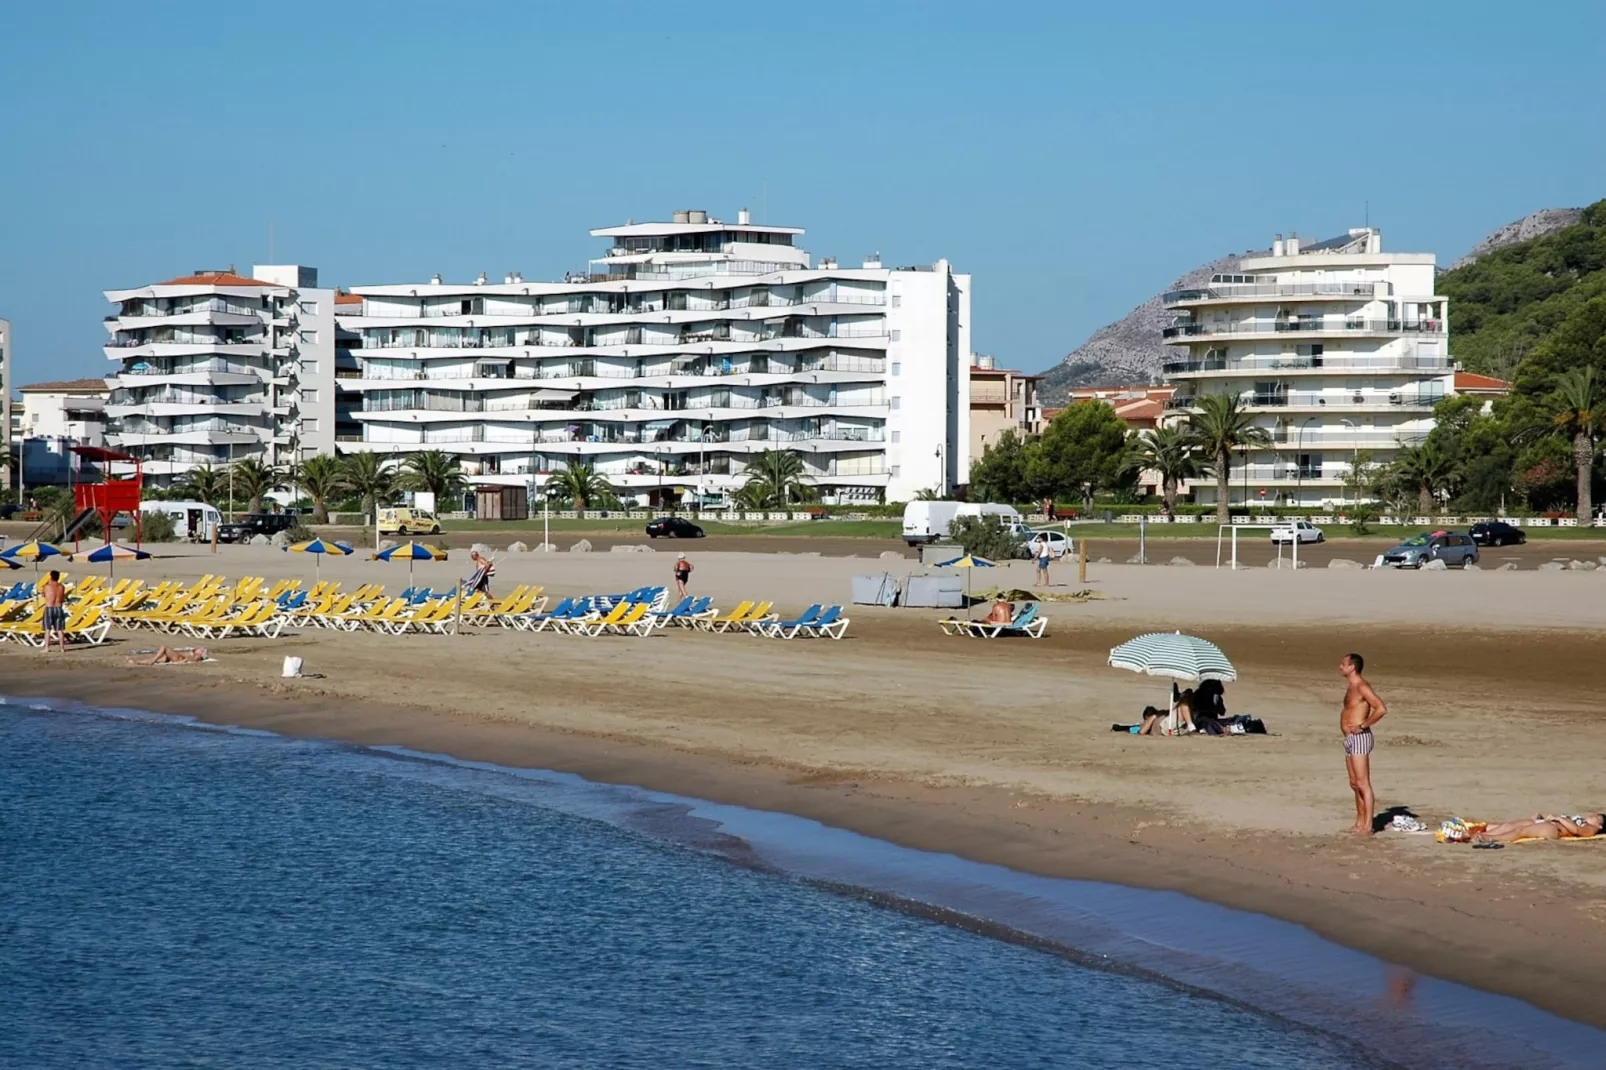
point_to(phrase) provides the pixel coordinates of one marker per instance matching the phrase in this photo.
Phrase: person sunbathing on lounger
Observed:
(1543, 827)
(166, 656)
(1002, 613)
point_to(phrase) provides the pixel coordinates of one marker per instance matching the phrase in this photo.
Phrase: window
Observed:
(309, 367)
(897, 301)
(897, 436)
(897, 335)
(309, 396)
(894, 470)
(310, 337)
(309, 423)
(897, 367)
(897, 402)
(310, 307)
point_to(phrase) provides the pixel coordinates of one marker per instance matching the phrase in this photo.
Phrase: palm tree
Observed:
(434, 472)
(774, 480)
(1580, 415)
(253, 479)
(370, 477)
(1221, 425)
(580, 483)
(322, 478)
(1424, 471)
(1173, 452)
(202, 483)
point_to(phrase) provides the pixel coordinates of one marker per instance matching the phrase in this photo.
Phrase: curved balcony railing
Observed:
(1303, 399)
(1219, 291)
(1304, 326)
(1408, 363)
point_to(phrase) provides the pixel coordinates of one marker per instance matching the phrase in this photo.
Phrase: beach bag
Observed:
(292, 666)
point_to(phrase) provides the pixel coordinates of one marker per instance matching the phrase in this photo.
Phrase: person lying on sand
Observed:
(1543, 827)
(166, 656)
(1152, 717)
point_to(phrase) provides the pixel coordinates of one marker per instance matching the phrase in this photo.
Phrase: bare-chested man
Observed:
(1362, 710)
(55, 593)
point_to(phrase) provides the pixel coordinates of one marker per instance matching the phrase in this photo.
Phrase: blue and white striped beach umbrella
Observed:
(1183, 657)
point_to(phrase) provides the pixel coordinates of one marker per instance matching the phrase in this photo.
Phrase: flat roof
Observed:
(642, 230)
(65, 386)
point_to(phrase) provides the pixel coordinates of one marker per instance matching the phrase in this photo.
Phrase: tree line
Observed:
(776, 479)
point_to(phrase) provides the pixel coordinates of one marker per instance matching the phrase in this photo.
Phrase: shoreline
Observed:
(1334, 888)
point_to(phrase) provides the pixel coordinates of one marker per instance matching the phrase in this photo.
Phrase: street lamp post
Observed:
(1354, 456)
(942, 474)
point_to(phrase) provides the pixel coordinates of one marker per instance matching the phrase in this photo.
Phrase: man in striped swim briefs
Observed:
(1362, 710)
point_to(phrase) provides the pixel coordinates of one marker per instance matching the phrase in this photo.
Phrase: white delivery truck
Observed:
(925, 522)
(191, 520)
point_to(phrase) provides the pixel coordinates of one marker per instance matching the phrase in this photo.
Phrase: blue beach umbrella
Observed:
(319, 547)
(112, 553)
(967, 562)
(32, 550)
(410, 552)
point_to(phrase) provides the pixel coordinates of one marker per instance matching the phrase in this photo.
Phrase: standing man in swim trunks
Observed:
(55, 611)
(682, 574)
(1362, 710)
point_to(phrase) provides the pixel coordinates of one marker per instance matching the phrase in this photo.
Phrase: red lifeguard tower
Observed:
(108, 497)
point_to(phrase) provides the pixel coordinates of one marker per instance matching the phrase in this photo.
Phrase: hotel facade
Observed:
(1334, 348)
(216, 367)
(687, 347)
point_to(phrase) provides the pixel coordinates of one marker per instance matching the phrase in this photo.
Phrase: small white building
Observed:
(1334, 347)
(215, 367)
(55, 417)
(688, 346)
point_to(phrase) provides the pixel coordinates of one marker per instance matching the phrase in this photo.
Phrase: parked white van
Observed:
(191, 520)
(931, 521)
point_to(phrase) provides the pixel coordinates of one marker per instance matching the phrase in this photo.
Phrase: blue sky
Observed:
(1073, 158)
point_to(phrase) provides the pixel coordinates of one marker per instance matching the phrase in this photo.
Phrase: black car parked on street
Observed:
(250, 524)
(1498, 533)
(673, 527)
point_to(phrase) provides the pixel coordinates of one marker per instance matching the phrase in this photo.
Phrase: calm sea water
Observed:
(175, 896)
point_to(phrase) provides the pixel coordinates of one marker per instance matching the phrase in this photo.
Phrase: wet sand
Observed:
(1002, 752)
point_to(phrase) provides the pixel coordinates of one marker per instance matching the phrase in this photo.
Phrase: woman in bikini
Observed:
(1543, 827)
(682, 574)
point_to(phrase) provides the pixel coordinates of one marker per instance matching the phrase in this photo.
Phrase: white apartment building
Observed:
(1335, 347)
(688, 346)
(57, 416)
(216, 367)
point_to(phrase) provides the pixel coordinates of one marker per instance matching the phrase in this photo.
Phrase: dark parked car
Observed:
(1498, 533)
(673, 527)
(9, 510)
(250, 524)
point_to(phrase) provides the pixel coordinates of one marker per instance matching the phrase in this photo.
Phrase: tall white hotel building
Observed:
(1335, 347)
(686, 348)
(217, 367)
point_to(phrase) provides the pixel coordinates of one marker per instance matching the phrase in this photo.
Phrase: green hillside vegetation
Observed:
(1506, 305)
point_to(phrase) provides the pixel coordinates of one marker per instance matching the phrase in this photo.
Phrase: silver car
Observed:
(1448, 546)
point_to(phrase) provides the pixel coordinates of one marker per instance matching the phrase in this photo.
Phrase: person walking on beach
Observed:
(484, 569)
(1044, 557)
(55, 611)
(1362, 709)
(682, 574)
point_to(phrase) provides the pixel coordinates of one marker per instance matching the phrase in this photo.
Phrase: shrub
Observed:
(986, 536)
(156, 527)
(299, 533)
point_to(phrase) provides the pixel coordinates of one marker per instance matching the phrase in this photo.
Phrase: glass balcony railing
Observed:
(1222, 290)
(1303, 326)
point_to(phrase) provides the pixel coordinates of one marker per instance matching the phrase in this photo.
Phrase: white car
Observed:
(1303, 530)
(1059, 543)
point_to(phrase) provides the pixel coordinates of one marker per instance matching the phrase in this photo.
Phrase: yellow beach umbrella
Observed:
(410, 552)
(320, 547)
(33, 550)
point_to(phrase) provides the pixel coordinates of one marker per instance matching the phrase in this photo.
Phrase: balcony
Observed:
(1254, 328)
(1250, 365)
(1231, 291)
(1333, 401)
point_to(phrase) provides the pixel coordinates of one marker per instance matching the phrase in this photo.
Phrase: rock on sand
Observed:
(480, 548)
(1180, 562)
(1582, 566)
(260, 540)
(517, 548)
(546, 548)
(1435, 566)
(1344, 562)
(1286, 562)
(1135, 559)
(1104, 561)
(280, 538)
(581, 547)
(385, 544)
(1509, 566)
(891, 555)
(1553, 566)
(631, 548)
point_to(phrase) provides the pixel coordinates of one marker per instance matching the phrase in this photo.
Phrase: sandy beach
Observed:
(1002, 751)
